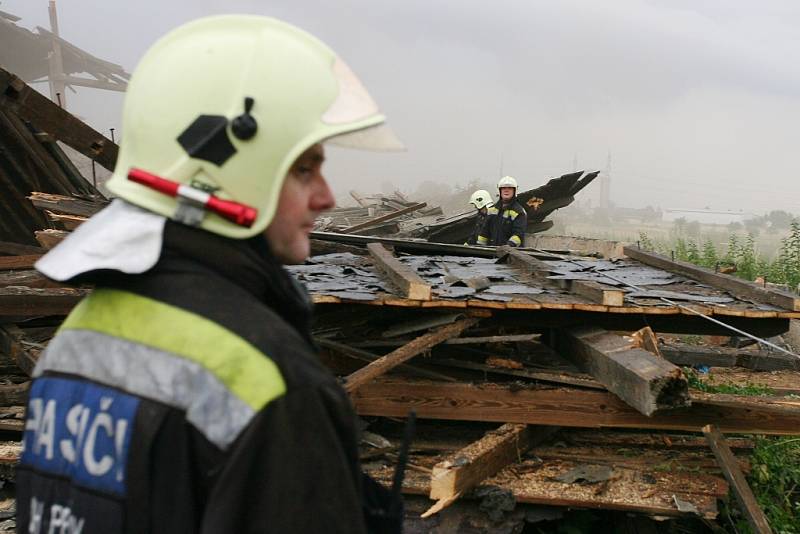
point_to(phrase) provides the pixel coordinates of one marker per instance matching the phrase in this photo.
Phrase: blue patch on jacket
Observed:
(81, 431)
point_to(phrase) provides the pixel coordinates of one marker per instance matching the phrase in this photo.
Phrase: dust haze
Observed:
(694, 104)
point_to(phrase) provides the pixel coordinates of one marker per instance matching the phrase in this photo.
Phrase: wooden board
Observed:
(716, 356)
(12, 263)
(515, 403)
(736, 286)
(730, 468)
(410, 284)
(406, 352)
(15, 249)
(467, 467)
(29, 302)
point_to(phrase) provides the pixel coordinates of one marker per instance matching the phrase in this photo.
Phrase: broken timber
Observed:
(368, 357)
(467, 467)
(641, 379)
(406, 352)
(730, 468)
(736, 286)
(411, 285)
(594, 291)
(33, 107)
(383, 218)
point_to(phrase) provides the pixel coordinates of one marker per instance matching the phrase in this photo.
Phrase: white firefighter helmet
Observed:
(481, 199)
(226, 104)
(507, 181)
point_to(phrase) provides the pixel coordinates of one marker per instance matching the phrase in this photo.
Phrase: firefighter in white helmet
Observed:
(184, 394)
(481, 200)
(507, 220)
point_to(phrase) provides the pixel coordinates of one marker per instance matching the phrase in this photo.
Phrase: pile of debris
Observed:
(397, 216)
(541, 378)
(376, 215)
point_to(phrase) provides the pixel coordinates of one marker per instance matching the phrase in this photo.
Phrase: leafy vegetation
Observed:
(775, 480)
(741, 256)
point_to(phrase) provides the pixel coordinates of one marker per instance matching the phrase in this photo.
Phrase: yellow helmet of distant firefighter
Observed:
(224, 105)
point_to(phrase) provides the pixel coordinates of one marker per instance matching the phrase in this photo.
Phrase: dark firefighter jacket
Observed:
(505, 224)
(480, 219)
(189, 399)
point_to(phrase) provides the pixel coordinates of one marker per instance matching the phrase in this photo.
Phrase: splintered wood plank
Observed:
(569, 407)
(730, 468)
(11, 263)
(641, 379)
(406, 352)
(383, 218)
(468, 467)
(411, 285)
(736, 286)
(594, 291)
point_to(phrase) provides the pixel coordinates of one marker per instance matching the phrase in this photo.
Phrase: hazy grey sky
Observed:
(697, 101)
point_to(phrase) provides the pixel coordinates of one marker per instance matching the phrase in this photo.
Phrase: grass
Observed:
(708, 386)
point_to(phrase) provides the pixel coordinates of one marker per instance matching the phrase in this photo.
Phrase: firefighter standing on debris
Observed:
(506, 221)
(481, 200)
(184, 394)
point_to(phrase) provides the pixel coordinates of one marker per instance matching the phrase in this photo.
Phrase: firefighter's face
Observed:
(507, 193)
(304, 195)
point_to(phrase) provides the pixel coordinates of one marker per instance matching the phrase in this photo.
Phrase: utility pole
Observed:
(605, 185)
(56, 63)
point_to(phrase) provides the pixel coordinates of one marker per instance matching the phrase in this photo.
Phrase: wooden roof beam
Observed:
(738, 287)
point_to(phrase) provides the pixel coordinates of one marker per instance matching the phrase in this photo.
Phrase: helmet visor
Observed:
(379, 138)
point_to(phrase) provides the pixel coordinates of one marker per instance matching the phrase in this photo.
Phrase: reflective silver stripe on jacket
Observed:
(151, 373)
